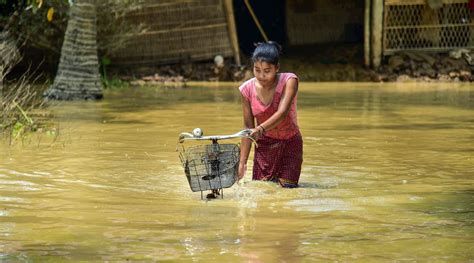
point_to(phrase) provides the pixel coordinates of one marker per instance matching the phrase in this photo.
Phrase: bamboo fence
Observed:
(177, 31)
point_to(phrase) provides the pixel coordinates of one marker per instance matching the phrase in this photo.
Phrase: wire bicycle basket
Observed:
(210, 166)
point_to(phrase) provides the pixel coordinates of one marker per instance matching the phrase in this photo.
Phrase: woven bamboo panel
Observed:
(414, 25)
(189, 30)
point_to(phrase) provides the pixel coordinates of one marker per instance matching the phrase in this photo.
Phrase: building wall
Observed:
(323, 21)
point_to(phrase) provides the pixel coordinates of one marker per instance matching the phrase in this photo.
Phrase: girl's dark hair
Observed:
(267, 52)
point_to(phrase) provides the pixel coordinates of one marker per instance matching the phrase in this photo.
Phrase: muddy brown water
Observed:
(388, 175)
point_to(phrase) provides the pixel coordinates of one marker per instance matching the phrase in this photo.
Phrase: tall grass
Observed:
(22, 109)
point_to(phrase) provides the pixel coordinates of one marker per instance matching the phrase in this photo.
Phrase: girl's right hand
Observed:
(242, 170)
(255, 134)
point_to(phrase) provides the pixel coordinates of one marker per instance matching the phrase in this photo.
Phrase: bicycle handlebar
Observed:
(241, 134)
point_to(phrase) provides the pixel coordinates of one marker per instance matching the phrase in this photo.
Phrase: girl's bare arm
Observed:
(249, 123)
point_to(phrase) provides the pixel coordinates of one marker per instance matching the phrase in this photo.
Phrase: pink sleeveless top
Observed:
(288, 127)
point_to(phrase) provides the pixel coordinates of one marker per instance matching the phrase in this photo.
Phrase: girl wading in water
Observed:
(270, 99)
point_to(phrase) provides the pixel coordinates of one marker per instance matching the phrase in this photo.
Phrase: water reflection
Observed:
(387, 175)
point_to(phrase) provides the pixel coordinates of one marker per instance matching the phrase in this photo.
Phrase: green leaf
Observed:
(106, 61)
(17, 129)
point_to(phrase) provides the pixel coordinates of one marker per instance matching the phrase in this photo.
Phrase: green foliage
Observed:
(25, 117)
(31, 26)
(105, 61)
(17, 130)
(115, 83)
(17, 121)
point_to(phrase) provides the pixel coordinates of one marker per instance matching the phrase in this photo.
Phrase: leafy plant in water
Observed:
(17, 130)
(104, 63)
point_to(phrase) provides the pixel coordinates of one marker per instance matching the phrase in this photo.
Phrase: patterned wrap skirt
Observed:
(278, 160)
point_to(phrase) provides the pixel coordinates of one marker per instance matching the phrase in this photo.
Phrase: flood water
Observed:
(388, 175)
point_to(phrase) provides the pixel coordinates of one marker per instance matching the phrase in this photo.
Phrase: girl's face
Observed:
(265, 72)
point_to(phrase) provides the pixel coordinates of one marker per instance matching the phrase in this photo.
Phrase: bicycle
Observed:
(211, 166)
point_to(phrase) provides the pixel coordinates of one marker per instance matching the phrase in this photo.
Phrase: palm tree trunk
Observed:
(78, 71)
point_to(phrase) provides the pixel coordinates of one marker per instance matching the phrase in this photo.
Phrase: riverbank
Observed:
(317, 64)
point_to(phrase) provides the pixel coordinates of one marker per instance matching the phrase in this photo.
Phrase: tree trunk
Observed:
(78, 71)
